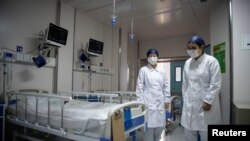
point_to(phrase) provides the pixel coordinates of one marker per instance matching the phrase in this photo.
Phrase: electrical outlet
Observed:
(27, 58)
(19, 57)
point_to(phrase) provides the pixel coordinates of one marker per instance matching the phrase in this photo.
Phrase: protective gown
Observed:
(201, 83)
(153, 90)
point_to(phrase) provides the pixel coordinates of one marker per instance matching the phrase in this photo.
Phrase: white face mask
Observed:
(152, 60)
(193, 53)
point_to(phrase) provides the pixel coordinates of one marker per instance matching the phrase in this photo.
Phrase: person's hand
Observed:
(167, 105)
(206, 106)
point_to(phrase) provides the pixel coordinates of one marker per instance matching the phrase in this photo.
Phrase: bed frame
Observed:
(124, 96)
(136, 121)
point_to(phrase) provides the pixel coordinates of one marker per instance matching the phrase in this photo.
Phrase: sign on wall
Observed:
(220, 55)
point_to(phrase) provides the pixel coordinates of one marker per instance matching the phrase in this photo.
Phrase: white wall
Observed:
(20, 24)
(21, 76)
(203, 30)
(219, 25)
(107, 57)
(124, 62)
(132, 56)
(65, 53)
(115, 58)
(241, 57)
(85, 28)
(170, 47)
(22, 21)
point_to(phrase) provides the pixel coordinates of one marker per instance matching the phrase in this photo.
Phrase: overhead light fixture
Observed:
(113, 16)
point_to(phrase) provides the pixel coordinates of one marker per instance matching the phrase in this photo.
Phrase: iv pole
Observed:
(4, 75)
(4, 99)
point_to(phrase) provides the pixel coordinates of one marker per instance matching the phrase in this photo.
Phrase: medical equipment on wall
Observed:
(44, 52)
(84, 57)
(54, 37)
(95, 47)
(6, 59)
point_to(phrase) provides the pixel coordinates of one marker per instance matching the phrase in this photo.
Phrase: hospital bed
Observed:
(68, 116)
(124, 96)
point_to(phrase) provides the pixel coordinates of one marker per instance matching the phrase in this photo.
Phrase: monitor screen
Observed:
(56, 35)
(95, 47)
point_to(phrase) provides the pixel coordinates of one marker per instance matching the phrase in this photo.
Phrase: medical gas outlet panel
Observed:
(18, 57)
(95, 69)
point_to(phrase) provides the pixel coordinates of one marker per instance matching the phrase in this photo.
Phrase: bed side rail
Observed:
(130, 95)
(124, 96)
(98, 97)
(25, 95)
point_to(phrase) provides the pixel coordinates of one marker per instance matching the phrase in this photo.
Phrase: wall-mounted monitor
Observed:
(95, 47)
(56, 35)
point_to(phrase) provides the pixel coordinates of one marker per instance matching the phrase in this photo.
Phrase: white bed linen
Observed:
(79, 116)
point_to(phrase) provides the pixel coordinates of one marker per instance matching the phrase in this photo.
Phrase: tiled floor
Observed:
(175, 134)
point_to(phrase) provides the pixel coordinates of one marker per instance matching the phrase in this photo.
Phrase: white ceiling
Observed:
(153, 19)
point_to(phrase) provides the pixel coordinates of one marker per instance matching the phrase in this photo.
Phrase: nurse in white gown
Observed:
(200, 90)
(153, 90)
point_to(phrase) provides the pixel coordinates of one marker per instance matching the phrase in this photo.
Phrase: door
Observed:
(176, 69)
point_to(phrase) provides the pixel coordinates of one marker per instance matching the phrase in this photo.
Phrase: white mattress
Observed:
(79, 116)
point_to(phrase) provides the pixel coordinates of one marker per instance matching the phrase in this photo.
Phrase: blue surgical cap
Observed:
(197, 40)
(152, 51)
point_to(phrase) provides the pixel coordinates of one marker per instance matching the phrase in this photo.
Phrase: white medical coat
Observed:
(201, 83)
(153, 90)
